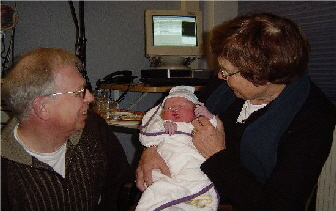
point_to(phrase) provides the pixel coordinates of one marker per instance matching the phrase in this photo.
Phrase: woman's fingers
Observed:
(140, 182)
(207, 139)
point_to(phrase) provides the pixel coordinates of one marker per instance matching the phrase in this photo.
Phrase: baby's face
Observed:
(178, 109)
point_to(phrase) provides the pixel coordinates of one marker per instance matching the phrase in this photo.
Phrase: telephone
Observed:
(120, 77)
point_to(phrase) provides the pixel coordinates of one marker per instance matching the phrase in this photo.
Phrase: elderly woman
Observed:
(278, 125)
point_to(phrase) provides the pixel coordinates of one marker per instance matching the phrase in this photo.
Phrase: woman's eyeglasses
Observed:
(226, 75)
(80, 93)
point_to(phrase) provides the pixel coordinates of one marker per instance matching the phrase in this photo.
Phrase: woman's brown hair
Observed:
(264, 47)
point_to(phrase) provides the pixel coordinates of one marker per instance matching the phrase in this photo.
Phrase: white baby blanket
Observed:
(188, 188)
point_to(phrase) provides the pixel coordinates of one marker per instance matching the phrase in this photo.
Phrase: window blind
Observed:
(318, 21)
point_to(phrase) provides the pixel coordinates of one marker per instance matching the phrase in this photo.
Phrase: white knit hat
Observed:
(183, 91)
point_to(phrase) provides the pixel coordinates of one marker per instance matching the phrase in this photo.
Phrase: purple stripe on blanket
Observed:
(163, 132)
(183, 199)
(150, 119)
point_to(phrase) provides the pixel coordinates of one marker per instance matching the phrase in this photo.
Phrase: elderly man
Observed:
(55, 153)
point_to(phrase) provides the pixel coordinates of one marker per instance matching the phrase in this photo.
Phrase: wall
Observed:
(115, 37)
(114, 31)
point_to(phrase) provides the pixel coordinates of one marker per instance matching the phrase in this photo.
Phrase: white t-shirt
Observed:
(55, 159)
(247, 110)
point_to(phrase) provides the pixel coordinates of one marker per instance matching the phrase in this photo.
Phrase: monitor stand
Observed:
(171, 62)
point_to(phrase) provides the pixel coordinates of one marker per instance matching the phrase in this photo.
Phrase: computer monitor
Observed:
(173, 38)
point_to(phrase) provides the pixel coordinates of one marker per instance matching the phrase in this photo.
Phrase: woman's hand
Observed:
(207, 139)
(150, 159)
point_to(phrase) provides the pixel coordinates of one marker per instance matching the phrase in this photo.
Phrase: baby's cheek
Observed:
(166, 115)
(188, 117)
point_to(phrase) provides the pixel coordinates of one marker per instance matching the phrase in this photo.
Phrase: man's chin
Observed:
(80, 125)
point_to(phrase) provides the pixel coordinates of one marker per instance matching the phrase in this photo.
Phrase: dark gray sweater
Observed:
(96, 169)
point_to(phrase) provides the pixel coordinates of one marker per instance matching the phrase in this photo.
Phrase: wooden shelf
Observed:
(140, 87)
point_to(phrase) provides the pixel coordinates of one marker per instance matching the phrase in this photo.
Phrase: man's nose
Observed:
(89, 96)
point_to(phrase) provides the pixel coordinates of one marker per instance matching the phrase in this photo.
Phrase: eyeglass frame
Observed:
(226, 75)
(82, 90)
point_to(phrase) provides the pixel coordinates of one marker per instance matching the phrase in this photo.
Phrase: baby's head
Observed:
(179, 105)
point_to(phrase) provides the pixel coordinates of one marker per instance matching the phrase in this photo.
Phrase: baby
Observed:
(168, 126)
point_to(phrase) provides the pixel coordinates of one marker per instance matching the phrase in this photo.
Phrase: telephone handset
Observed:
(120, 77)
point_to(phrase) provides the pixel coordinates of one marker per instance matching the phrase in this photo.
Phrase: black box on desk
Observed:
(175, 77)
(202, 73)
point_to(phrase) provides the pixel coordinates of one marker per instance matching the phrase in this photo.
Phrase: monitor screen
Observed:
(173, 30)
(173, 34)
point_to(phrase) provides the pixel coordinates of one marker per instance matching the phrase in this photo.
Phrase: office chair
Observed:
(326, 187)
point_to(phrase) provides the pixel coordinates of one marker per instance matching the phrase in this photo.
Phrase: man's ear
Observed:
(39, 107)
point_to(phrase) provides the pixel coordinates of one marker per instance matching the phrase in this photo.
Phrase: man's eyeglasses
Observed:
(80, 93)
(226, 75)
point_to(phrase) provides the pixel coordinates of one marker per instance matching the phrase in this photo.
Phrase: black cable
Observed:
(74, 17)
(3, 44)
(122, 96)
(80, 45)
(5, 64)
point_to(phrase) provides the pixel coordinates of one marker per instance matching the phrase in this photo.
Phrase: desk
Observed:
(139, 87)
